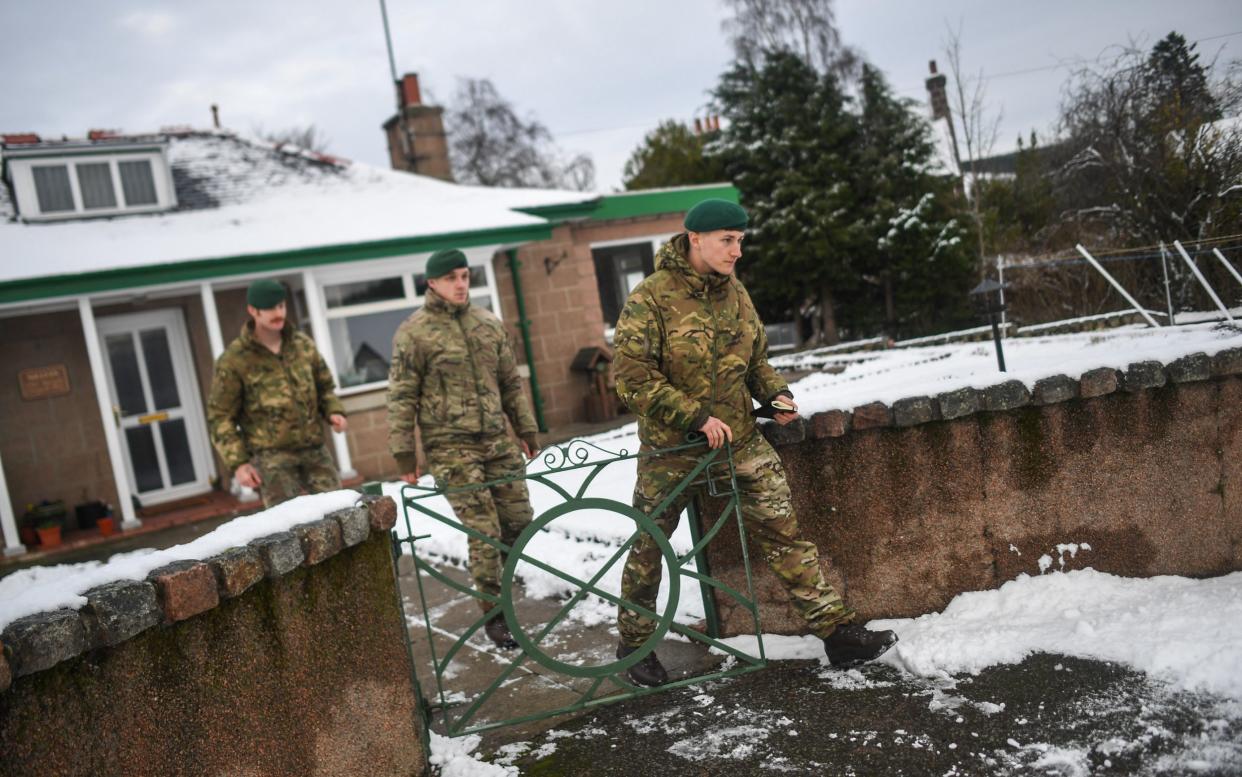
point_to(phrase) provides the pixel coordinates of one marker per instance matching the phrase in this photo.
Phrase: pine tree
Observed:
(671, 155)
(788, 147)
(849, 222)
(918, 261)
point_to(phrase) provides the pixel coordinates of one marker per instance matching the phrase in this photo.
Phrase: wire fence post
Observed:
(1000, 278)
(1099, 268)
(1168, 295)
(1202, 281)
(1228, 265)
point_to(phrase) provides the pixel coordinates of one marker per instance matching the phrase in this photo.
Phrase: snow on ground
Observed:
(1187, 632)
(887, 376)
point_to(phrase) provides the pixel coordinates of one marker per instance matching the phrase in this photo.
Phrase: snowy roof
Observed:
(238, 196)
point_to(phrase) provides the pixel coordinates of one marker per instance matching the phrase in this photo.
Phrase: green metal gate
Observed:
(591, 684)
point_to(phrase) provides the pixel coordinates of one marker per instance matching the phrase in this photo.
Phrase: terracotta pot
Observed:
(49, 537)
(106, 527)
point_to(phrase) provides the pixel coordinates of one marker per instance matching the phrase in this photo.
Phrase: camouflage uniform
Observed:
(453, 375)
(270, 408)
(690, 346)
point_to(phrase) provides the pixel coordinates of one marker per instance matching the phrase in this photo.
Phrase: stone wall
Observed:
(285, 656)
(916, 502)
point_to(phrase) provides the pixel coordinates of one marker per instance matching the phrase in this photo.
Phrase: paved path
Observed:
(1049, 715)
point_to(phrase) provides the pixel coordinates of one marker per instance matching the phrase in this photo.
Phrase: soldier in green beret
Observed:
(691, 353)
(270, 394)
(454, 377)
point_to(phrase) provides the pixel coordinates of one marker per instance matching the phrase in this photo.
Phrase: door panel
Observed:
(156, 402)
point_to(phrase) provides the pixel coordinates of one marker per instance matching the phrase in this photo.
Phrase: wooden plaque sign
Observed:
(44, 382)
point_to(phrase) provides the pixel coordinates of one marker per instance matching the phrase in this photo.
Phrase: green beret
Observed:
(713, 214)
(266, 294)
(444, 262)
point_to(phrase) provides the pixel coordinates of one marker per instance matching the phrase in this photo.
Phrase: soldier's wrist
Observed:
(700, 418)
(406, 462)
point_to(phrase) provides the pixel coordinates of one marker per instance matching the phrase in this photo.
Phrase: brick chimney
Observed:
(416, 139)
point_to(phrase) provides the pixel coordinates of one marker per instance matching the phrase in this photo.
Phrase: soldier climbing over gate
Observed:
(691, 353)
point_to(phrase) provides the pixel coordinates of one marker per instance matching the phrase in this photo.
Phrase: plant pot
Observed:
(106, 527)
(29, 536)
(49, 537)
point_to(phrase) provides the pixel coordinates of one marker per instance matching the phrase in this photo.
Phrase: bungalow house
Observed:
(125, 260)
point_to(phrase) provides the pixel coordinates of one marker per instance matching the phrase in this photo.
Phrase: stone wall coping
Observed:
(1005, 396)
(302, 532)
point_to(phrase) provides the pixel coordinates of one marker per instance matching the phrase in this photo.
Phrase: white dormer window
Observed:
(57, 183)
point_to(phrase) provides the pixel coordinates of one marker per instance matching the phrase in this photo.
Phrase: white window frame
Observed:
(28, 197)
(404, 267)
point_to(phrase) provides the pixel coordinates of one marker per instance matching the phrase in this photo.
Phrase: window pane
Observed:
(478, 280)
(160, 368)
(142, 455)
(95, 183)
(124, 362)
(363, 345)
(137, 182)
(618, 269)
(52, 186)
(378, 290)
(483, 302)
(177, 452)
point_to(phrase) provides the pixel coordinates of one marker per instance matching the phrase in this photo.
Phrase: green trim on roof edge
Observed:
(634, 204)
(47, 287)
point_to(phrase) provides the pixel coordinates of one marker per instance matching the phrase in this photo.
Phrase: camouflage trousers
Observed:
(500, 511)
(287, 474)
(769, 518)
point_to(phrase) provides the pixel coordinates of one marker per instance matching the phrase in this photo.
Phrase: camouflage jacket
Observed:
(264, 401)
(453, 374)
(689, 346)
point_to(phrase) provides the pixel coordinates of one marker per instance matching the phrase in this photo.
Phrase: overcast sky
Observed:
(598, 74)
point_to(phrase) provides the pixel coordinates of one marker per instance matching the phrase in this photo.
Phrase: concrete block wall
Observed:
(284, 656)
(916, 502)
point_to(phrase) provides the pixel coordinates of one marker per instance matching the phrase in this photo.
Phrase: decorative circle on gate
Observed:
(644, 523)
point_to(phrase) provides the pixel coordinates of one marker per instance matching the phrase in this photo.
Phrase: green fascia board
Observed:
(626, 206)
(47, 287)
(634, 204)
(563, 212)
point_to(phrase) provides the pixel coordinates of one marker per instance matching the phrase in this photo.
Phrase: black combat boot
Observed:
(852, 644)
(498, 632)
(648, 672)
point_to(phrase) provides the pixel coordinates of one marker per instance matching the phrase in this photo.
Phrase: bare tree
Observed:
(1147, 156)
(807, 28)
(308, 137)
(491, 145)
(979, 125)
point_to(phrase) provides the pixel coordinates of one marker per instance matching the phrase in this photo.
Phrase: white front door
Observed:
(156, 403)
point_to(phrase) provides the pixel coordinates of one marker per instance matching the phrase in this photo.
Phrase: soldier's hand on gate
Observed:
(530, 447)
(339, 424)
(783, 418)
(716, 432)
(247, 476)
